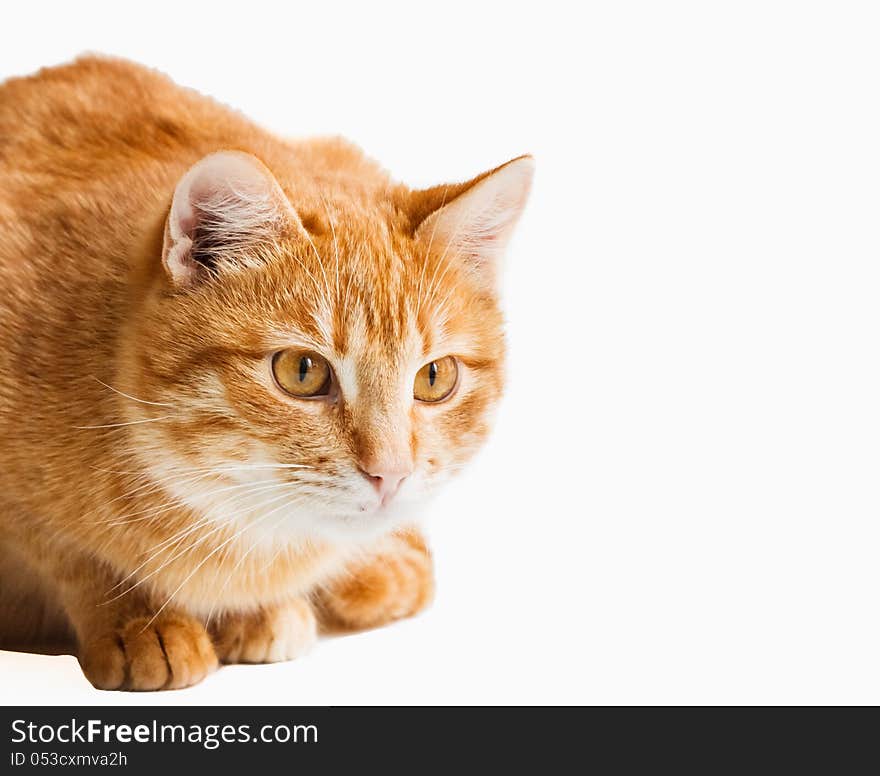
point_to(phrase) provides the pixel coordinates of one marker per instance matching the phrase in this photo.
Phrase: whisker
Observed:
(127, 423)
(321, 324)
(174, 557)
(428, 253)
(190, 475)
(222, 468)
(435, 281)
(176, 540)
(327, 306)
(440, 307)
(179, 536)
(129, 396)
(183, 477)
(432, 287)
(168, 507)
(233, 570)
(152, 486)
(210, 555)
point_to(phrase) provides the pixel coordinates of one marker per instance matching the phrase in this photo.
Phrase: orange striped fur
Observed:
(164, 505)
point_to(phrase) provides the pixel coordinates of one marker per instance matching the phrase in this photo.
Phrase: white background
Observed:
(680, 503)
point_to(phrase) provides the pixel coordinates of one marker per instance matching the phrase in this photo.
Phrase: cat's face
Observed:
(321, 368)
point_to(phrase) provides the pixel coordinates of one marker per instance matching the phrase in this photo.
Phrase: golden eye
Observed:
(301, 373)
(435, 381)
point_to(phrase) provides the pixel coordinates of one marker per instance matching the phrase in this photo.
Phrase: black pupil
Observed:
(305, 364)
(432, 373)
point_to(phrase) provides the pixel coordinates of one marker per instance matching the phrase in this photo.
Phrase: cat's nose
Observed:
(386, 478)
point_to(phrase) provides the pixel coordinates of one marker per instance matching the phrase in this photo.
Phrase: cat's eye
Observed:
(436, 381)
(301, 373)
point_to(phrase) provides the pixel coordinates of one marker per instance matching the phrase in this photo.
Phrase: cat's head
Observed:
(322, 355)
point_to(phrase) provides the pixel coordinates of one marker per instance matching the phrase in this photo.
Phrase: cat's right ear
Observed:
(226, 206)
(474, 220)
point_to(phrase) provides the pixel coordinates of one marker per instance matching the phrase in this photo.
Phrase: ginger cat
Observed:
(232, 367)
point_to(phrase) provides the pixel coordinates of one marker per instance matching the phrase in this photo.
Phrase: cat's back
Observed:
(78, 121)
(103, 141)
(89, 153)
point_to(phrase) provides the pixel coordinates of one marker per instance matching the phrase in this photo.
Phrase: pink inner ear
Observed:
(178, 260)
(183, 218)
(479, 222)
(240, 201)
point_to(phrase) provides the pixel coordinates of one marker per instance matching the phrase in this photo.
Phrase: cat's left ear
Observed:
(477, 220)
(225, 206)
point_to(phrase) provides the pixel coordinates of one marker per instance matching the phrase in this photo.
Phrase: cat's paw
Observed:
(166, 653)
(395, 582)
(267, 635)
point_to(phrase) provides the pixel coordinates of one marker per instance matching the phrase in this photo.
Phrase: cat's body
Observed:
(153, 478)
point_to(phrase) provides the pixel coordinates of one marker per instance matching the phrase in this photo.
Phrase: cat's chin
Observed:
(357, 527)
(349, 526)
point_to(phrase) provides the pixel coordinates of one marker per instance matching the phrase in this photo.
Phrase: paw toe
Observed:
(167, 653)
(188, 652)
(147, 666)
(103, 662)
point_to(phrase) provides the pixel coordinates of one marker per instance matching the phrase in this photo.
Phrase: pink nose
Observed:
(386, 479)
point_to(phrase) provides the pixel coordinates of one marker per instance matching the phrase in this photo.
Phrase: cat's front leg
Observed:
(124, 641)
(394, 581)
(268, 634)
